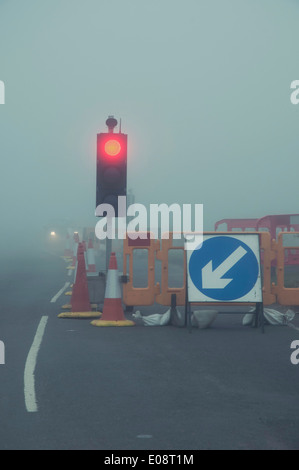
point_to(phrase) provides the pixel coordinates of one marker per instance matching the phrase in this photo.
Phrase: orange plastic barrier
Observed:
(164, 298)
(140, 295)
(285, 295)
(133, 296)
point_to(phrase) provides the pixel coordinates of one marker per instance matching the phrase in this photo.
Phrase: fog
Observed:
(202, 88)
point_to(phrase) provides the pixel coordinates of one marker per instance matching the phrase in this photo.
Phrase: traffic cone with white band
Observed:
(113, 314)
(91, 258)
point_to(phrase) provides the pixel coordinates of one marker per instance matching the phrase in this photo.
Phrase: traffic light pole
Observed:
(111, 173)
(108, 253)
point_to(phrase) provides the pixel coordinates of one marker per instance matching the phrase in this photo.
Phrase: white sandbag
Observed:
(203, 318)
(156, 319)
(274, 317)
(248, 319)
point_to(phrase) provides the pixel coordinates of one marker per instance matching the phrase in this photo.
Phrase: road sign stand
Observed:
(259, 319)
(259, 316)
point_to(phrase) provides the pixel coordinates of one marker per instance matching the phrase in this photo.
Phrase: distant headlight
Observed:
(53, 234)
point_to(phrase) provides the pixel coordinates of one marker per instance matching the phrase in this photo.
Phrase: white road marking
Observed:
(70, 272)
(60, 292)
(29, 379)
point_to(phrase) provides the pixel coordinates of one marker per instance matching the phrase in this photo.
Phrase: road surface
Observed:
(147, 388)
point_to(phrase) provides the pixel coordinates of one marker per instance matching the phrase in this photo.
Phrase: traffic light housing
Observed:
(111, 168)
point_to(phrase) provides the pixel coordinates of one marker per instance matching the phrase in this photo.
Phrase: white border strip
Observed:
(53, 300)
(29, 379)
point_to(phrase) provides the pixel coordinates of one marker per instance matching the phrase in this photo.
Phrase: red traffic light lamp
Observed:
(112, 147)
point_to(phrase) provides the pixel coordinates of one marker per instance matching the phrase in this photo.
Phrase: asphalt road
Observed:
(147, 388)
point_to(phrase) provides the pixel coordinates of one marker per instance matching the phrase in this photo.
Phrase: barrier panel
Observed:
(287, 295)
(140, 295)
(234, 225)
(163, 294)
(164, 298)
(269, 223)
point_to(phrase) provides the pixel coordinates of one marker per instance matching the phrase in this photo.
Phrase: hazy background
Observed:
(202, 87)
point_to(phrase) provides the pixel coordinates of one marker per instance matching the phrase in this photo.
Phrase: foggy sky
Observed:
(202, 88)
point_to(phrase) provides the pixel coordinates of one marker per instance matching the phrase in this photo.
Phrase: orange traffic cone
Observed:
(113, 314)
(80, 303)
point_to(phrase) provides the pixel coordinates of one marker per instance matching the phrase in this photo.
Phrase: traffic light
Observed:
(111, 166)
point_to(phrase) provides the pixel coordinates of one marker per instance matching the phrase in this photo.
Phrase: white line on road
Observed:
(70, 272)
(29, 379)
(60, 292)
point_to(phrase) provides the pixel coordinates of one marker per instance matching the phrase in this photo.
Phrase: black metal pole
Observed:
(108, 252)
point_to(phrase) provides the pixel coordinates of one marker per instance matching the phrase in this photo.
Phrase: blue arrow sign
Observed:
(224, 268)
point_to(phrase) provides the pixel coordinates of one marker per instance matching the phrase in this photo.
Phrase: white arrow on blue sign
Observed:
(225, 268)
